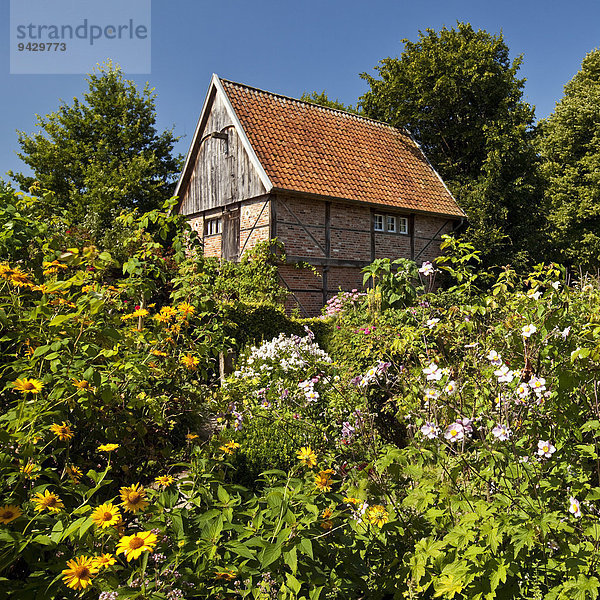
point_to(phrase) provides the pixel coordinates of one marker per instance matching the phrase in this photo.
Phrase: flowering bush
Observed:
(446, 447)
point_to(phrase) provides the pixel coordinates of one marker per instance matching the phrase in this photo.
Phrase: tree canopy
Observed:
(323, 100)
(458, 94)
(102, 154)
(570, 147)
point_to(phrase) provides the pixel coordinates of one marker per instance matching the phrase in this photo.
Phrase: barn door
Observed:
(231, 235)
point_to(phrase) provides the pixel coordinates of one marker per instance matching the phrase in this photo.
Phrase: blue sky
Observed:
(305, 45)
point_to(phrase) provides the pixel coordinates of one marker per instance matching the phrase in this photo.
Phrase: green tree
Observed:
(323, 100)
(102, 154)
(570, 147)
(458, 94)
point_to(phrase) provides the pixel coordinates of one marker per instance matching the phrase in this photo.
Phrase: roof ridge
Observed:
(315, 105)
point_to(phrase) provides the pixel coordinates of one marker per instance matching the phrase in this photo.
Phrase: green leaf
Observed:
(270, 554)
(291, 559)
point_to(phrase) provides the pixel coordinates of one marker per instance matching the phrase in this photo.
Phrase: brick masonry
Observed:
(301, 226)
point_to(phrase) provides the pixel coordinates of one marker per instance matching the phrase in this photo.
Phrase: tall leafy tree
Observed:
(458, 93)
(570, 147)
(102, 154)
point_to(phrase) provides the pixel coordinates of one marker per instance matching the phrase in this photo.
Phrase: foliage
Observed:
(569, 142)
(102, 154)
(459, 95)
(393, 283)
(323, 100)
(448, 447)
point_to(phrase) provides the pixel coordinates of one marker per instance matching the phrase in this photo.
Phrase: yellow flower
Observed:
(226, 574)
(323, 480)
(104, 560)
(164, 480)
(133, 545)
(140, 312)
(134, 498)
(165, 314)
(75, 473)
(106, 515)
(307, 457)
(52, 267)
(377, 515)
(48, 501)
(63, 432)
(352, 500)
(25, 386)
(185, 309)
(17, 277)
(9, 512)
(80, 572)
(327, 523)
(30, 470)
(158, 353)
(82, 384)
(230, 447)
(107, 447)
(191, 437)
(189, 362)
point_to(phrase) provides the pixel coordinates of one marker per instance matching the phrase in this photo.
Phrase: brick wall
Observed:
(426, 229)
(301, 227)
(255, 222)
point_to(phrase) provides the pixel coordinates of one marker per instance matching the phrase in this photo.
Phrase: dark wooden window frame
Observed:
(207, 226)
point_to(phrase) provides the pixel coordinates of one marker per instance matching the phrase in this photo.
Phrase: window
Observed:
(403, 225)
(213, 226)
(390, 224)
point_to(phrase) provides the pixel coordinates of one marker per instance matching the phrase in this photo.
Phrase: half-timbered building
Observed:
(338, 190)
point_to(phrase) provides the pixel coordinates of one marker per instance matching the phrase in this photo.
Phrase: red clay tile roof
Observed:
(311, 149)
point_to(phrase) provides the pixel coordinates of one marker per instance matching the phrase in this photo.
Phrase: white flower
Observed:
(565, 332)
(574, 507)
(450, 388)
(504, 374)
(523, 390)
(494, 358)
(536, 295)
(537, 384)
(545, 449)
(556, 284)
(431, 323)
(312, 396)
(433, 372)
(430, 431)
(455, 432)
(431, 394)
(427, 269)
(501, 433)
(528, 330)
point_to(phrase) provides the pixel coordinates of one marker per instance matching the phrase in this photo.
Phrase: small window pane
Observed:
(390, 224)
(213, 226)
(403, 225)
(378, 223)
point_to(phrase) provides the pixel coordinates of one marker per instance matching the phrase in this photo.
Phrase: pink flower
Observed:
(427, 269)
(455, 432)
(430, 431)
(501, 433)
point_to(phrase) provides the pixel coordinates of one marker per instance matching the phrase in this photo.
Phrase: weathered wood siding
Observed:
(223, 172)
